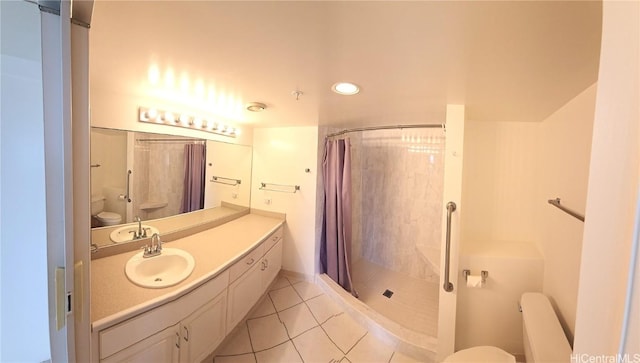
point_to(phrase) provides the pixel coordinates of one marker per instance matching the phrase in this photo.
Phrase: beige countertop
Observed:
(114, 298)
(100, 235)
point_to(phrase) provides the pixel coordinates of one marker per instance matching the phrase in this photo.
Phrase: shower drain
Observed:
(387, 293)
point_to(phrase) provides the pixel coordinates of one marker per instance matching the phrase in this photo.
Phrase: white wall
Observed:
(24, 314)
(613, 183)
(109, 150)
(118, 109)
(564, 153)
(490, 315)
(227, 161)
(280, 156)
(498, 232)
(511, 169)
(500, 174)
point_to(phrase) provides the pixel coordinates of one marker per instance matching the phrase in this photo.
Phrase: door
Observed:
(452, 193)
(203, 330)
(59, 159)
(272, 262)
(243, 294)
(162, 347)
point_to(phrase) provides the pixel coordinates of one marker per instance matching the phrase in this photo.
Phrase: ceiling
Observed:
(506, 61)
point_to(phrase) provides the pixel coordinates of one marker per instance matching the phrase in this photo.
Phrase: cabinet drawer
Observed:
(273, 239)
(245, 263)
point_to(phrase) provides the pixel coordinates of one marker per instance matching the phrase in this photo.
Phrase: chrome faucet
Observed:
(151, 250)
(140, 233)
(139, 226)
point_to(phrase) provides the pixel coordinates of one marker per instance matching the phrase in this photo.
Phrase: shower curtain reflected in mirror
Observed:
(159, 166)
(335, 248)
(194, 169)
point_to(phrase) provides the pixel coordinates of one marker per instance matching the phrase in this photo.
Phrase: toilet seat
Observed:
(109, 218)
(481, 354)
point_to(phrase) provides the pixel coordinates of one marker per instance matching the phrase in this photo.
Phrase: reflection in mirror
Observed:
(154, 176)
(167, 176)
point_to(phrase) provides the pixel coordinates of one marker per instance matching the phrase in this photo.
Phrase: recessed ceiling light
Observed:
(345, 88)
(256, 107)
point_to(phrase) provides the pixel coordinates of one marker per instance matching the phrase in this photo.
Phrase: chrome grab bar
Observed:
(556, 202)
(128, 196)
(448, 286)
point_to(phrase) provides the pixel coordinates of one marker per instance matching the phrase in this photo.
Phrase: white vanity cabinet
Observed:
(265, 262)
(160, 347)
(184, 330)
(202, 331)
(272, 263)
(189, 326)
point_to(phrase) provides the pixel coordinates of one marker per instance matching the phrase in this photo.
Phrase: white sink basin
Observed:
(164, 270)
(123, 234)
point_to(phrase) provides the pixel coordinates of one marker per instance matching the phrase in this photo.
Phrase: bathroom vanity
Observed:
(234, 265)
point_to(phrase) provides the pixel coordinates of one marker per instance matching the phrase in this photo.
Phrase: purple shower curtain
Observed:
(194, 166)
(335, 248)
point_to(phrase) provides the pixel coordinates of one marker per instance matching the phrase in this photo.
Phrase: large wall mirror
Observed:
(152, 178)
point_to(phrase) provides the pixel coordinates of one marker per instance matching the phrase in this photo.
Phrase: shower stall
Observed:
(397, 184)
(398, 193)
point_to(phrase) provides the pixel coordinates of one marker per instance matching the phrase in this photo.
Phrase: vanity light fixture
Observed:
(152, 115)
(345, 88)
(256, 107)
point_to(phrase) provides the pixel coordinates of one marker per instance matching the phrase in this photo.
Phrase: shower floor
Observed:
(413, 304)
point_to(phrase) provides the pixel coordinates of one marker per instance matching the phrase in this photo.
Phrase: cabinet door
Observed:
(243, 294)
(203, 330)
(158, 348)
(271, 264)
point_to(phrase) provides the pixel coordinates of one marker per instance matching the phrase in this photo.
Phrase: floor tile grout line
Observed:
(275, 346)
(246, 323)
(281, 322)
(334, 343)
(291, 339)
(322, 328)
(359, 340)
(285, 325)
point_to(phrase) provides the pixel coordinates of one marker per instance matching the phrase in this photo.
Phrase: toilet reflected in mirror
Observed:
(99, 216)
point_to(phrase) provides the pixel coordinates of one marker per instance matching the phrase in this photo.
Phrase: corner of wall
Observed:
(281, 155)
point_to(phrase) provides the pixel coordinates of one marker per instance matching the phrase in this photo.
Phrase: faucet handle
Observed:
(144, 232)
(135, 234)
(147, 250)
(158, 246)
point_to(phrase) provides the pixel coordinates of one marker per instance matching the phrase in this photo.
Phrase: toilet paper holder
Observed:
(483, 274)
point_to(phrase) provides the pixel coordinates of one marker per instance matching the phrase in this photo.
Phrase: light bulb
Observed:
(345, 88)
(169, 117)
(151, 114)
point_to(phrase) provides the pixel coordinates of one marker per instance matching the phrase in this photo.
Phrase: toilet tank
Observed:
(544, 339)
(97, 204)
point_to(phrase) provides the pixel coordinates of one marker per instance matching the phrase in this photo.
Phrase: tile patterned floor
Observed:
(414, 303)
(297, 322)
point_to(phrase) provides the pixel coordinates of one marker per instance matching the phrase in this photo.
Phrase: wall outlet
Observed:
(267, 201)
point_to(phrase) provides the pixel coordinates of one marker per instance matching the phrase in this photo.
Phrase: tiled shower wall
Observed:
(397, 185)
(159, 177)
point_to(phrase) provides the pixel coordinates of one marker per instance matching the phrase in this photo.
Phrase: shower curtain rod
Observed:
(419, 126)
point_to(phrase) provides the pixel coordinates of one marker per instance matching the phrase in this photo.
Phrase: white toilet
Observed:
(104, 218)
(544, 339)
